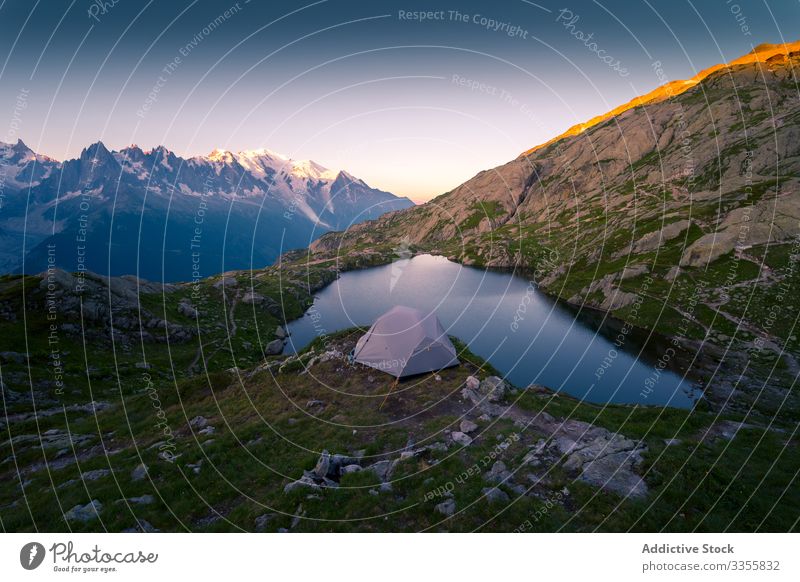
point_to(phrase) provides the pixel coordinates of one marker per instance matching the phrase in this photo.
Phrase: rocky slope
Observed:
(678, 212)
(167, 218)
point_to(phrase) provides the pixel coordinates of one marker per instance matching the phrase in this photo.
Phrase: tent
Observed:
(405, 341)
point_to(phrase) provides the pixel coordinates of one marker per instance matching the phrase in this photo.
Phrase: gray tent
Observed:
(405, 341)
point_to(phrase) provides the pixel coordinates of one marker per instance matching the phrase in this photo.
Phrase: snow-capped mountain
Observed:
(163, 217)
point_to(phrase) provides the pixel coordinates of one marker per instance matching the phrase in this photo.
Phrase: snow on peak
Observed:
(311, 169)
(263, 161)
(219, 155)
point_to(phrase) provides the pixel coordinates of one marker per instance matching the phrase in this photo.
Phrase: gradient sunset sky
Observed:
(413, 107)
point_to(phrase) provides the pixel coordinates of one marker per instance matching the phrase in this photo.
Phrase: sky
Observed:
(412, 97)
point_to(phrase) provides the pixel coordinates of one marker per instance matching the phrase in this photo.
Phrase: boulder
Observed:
(262, 521)
(302, 483)
(383, 469)
(472, 383)
(323, 466)
(495, 495)
(467, 426)
(633, 271)
(198, 422)
(612, 472)
(252, 298)
(226, 282)
(139, 473)
(499, 473)
(446, 507)
(280, 333)
(274, 348)
(84, 513)
(493, 388)
(187, 309)
(673, 273)
(461, 438)
(95, 475)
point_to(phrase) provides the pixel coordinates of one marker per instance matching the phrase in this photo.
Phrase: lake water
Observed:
(547, 345)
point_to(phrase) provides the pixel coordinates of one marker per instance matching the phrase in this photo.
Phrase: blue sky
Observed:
(413, 103)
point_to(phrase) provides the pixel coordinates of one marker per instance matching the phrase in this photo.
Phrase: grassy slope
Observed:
(265, 436)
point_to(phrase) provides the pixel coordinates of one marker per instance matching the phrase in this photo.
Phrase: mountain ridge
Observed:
(760, 54)
(253, 205)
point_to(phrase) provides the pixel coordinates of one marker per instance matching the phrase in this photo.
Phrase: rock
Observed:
(302, 483)
(347, 469)
(226, 282)
(383, 469)
(672, 442)
(633, 271)
(95, 475)
(274, 348)
(493, 388)
(673, 273)
(252, 298)
(280, 333)
(769, 220)
(653, 240)
(461, 438)
(495, 495)
(298, 515)
(314, 403)
(142, 500)
(573, 463)
(139, 473)
(84, 513)
(467, 426)
(613, 472)
(323, 467)
(187, 309)
(143, 365)
(263, 520)
(446, 507)
(499, 473)
(198, 422)
(472, 383)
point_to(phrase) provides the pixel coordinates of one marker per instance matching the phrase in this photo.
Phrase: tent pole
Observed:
(394, 385)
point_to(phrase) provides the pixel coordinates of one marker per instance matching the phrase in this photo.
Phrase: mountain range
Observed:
(154, 214)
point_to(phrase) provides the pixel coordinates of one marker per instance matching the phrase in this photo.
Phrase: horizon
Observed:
(450, 106)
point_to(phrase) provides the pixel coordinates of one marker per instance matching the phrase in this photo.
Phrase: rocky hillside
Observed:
(678, 212)
(166, 218)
